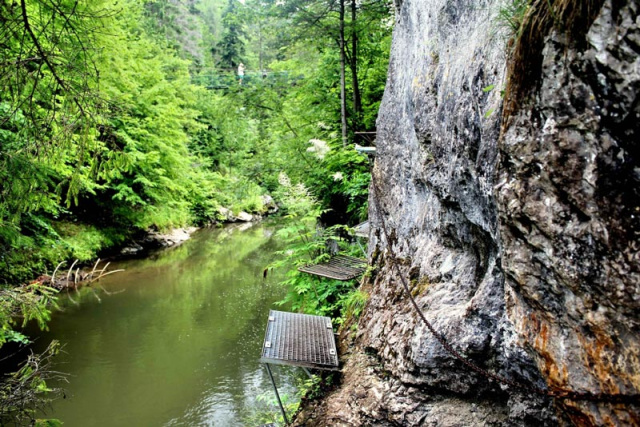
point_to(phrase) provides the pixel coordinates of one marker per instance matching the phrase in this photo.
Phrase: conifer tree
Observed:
(231, 47)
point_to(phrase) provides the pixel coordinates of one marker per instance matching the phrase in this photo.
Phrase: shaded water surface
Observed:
(177, 339)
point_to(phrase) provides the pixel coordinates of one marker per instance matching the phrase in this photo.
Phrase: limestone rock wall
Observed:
(569, 200)
(538, 284)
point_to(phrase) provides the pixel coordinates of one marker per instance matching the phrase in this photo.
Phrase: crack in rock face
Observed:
(522, 251)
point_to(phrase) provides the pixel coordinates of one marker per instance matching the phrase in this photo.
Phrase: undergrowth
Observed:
(267, 409)
(307, 243)
(308, 293)
(43, 243)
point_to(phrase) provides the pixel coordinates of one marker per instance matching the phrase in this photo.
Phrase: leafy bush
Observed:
(308, 244)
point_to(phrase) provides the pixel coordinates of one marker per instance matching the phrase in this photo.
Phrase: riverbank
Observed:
(45, 243)
(139, 247)
(153, 240)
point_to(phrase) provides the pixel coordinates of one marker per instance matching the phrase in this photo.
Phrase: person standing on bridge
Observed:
(240, 72)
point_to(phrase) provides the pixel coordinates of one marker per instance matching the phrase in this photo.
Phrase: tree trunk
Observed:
(343, 101)
(357, 100)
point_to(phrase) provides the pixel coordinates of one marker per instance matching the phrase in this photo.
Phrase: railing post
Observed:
(273, 382)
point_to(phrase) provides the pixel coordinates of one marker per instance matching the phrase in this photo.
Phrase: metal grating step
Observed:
(299, 340)
(362, 229)
(339, 267)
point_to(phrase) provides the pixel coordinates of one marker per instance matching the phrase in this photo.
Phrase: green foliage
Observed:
(297, 201)
(43, 243)
(310, 388)
(308, 293)
(48, 103)
(346, 175)
(353, 304)
(512, 14)
(231, 47)
(373, 52)
(150, 150)
(110, 124)
(25, 303)
(114, 136)
(48, 423)
(178, 24)
(305, 244)
(84, 242)
(25, 393)
(267, 409)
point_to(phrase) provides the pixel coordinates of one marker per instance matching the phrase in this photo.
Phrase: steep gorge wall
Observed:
(539, 284)
(569, 200)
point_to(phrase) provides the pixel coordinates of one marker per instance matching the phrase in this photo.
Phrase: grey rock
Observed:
(245, 217)
(524, 260)
(171, 238)
(269, 204)
(154, 240)
(131, 250)
(568, 215)
(227, 215)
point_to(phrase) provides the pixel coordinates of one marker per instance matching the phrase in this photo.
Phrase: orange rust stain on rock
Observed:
(598, 352)
(605, 415)
(599, 355)
(555, 373)
(634, 417)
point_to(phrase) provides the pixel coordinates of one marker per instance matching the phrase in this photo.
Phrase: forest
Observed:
(120, 117)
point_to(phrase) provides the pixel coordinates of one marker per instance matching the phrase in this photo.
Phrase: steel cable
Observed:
(556, 393)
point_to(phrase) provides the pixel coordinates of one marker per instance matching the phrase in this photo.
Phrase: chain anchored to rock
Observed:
(555, 393)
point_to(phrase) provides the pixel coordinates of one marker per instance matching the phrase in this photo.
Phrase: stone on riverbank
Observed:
(156, 240)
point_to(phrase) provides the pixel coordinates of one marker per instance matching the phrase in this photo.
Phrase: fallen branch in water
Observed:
(105, 274)
(74, 279)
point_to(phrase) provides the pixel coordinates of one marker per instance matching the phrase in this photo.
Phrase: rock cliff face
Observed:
(569, 200)
(521, 250)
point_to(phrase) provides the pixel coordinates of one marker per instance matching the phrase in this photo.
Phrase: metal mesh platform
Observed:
(362, 229)
(339, 267)
(299, 340)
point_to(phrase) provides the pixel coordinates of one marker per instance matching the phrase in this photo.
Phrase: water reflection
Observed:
(177, 340)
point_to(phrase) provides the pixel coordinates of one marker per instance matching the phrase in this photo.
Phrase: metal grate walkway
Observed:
(339, 267)
(299, 340)
(362, 229)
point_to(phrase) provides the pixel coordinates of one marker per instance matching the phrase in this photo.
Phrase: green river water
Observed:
(177, 338)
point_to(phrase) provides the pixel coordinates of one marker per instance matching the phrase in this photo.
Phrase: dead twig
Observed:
(53, 277)
(105, 274)
(94, 268)
(70, 270)
(105, 267)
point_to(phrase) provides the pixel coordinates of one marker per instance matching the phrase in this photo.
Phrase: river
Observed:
(175, 339)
